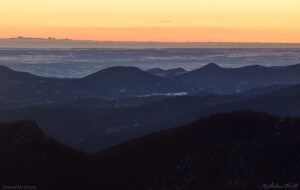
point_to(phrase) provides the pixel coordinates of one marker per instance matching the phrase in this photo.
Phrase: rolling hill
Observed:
(19, 89)
(168, 73)
(217, 79)
(239, 150)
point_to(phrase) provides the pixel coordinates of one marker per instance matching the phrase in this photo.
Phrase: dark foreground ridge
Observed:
(239, 150)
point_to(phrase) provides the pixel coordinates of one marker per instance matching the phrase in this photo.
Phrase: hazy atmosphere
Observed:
(150, 95)
(76, 63)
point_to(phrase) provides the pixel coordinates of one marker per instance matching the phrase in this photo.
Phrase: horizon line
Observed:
(125, 41)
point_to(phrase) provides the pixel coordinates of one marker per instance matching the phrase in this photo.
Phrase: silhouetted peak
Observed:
(4, 68)
(254, 67)
(119, 70)
(177, 70)
(211, 66)
(167, 73)
(29, 133)
(24, 133)
(155, 70)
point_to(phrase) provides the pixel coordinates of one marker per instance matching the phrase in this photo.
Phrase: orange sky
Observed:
(155, 20)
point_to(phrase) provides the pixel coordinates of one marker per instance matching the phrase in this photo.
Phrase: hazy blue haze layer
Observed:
(81, 62)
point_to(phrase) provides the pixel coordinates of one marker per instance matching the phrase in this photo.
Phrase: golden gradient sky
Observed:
(153, 20)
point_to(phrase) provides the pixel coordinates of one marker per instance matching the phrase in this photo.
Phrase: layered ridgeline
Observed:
(19, 89)
(96, 112)
(216, 79)
(168, 73)
(239, 150)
